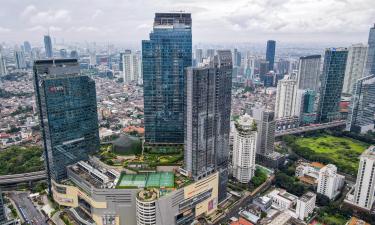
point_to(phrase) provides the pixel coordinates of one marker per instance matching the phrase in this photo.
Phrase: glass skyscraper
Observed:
(270, 53)
(68, 116)
(207, 121)
(48, 46)
(332, 83)
(361, 116)
(370, 66)
(164, 58)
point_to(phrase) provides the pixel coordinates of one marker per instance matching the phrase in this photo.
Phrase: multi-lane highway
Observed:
(23, 177)
(310, 128)
(28, 212)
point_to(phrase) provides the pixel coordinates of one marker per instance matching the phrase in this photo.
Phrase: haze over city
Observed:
(128, 22)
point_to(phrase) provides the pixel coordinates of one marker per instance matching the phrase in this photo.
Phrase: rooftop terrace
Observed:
(149, 180)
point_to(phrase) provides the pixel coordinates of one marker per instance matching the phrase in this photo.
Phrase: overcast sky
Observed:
(231, 21)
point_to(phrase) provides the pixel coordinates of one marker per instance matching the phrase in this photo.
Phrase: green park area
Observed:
(325, 148)
(16, 159)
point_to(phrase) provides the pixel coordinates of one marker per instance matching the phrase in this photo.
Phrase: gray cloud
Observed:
(129, 21)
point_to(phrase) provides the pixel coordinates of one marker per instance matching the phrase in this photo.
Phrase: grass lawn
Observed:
(341, 151)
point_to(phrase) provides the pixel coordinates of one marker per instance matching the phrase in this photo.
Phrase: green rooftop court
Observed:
(149, 180)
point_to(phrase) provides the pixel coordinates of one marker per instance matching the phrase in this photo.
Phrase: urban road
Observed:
(28, 212)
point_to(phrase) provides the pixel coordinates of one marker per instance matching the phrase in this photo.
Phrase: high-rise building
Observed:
(263, 69)
(265, 120)
(164, 58)
(3, 68)
(309, 73)
(210, 53)
(362, 106)
(329, 182)
(270, 53)
(66, 102)
(20, 59)
(365, 184)
(331, 84)
(48, 46)
(207, 119)
(283, 66)
(244, 149)
(131, 66)
(27, 47)
(2, 209)
(305, 106)
(370, 65)
(305, 205)
(355, 66)
(93, 61)
(74, 54)
(286, 98)
(198, 56)
(63, 53)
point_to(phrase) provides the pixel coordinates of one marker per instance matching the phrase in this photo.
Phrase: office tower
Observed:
(48, 46)
(63, 53)
(270, 53)
(329, 182)
(198, 56)
(265, 120)
(362, 106)
(269, 79)
(74, 54)
(355, 66)
(283, 66)
(263, 69)
(2, 209)
(305, 205)
(250, 67)
(35, 54)
(370, 65)
(66, 102)
(305, 106)
(365, 184)
(20, 59)
(286, 103)
(93, 61)
(3, 67)
(131, 66)
(164, 58)
(309, 72)
(207, 119)
(27, 47)
(236, 57)
(244, 149)
(210, 53)
(331, 84)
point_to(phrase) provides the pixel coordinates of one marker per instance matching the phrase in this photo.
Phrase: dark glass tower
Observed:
(48, 46)
(164, 58)
(270, 53)
(332, 81)
(207, 119)
(68, 116)
(370, 66)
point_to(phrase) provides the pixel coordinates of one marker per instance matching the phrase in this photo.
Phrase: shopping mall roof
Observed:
(148, 180)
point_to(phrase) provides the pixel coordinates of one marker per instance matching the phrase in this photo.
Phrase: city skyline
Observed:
(247, 21)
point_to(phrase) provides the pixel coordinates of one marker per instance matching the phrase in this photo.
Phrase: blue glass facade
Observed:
(270, 53)
(164, 58)
(48, 46)
(68, 116)
(332, 83)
